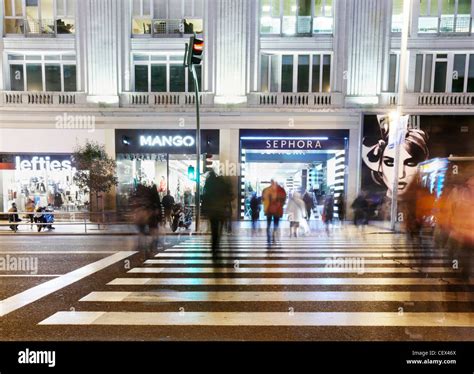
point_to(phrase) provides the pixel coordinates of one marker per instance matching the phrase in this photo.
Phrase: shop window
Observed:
(444, 16)
(295, 73)
(55, 73)
(296, 17)
(161, 73)
(39, 17)
(167, 17)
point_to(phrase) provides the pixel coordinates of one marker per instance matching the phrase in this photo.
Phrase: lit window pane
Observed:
(446, 23)
(141, 78)
(17, 80)
(141, 26)
(70, 82)
(397, 15)
(462, 22)
(65, 26)
(458, 73)
(287, 73)
(18, 8)
(303, 73)
(47, 17)
(428, 25)
(53, 77)
(304, 17)
(447, 6)
(34, 81)
(14, 26)
(177, 78)
(323, 25)
(33, 24)
(327, 73)
(289, 17)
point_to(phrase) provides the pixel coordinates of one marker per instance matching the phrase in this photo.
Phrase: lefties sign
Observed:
(42, 163)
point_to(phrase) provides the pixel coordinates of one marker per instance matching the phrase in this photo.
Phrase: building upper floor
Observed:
(258, 53)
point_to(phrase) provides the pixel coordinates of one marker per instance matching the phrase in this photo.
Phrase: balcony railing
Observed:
(165, 99)
(11, 98)
(315, 100)
(445, 99)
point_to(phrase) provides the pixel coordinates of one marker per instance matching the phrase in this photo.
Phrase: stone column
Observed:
(100, 34)
(367, 21)
(231, 41)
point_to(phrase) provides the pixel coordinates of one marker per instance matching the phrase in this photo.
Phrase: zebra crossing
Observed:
(343, 280)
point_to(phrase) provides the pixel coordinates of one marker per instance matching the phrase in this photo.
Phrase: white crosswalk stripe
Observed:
(343, 271)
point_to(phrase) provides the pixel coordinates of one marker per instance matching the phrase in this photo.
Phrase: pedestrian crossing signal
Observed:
(208, 163)
(191, 173)
(195, 50)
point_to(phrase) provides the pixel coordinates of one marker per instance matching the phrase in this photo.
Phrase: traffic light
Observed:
(195, 50)
(208, 162)
(191, 173)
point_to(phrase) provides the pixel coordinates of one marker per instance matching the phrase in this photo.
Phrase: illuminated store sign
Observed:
(166, 141)
(42, 163)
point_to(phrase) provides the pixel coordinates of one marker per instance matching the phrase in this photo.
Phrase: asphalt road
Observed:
(133, 299)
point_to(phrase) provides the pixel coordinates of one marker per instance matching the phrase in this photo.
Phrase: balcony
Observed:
(165, 99)
(295, 100)
(440, 100)
(18, 98)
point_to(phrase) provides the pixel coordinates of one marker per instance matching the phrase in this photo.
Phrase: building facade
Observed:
(287, 88)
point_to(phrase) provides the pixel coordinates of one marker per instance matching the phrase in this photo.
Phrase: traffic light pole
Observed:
(198, 150)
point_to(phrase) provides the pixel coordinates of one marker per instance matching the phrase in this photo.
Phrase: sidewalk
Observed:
(238, 228)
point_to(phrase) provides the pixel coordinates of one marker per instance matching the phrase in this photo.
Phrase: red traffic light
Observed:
(195, 50)
(198, 45)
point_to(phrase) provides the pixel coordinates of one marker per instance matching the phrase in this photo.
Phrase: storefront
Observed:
(46, 179)
(161, 158)
(299, 160)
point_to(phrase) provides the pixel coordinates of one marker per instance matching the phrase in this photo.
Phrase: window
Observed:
(444, 16)
(397, 16)
(42, 72)
(295, 73)
(392, 73)
(39, 17)
(432, 72)
(296, 17)
(162, 73)
(167, 17)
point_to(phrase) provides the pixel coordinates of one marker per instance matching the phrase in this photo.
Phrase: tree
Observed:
(95, 170)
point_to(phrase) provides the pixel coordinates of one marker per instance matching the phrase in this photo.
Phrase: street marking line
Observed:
(238, 319)
(35, 293)
(56, 252)
(272, 261)
(290, 255)
(280, 281)
(30, 275)
(275, 296)
(211, 270)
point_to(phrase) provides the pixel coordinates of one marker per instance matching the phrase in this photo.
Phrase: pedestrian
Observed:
(360, 207)
(309, 204)
(296, 210)
(30, 209)
(255, 202)
(13, 217)
(273, 198)
(215, 199)
(168, 203)
(341, 208)
(328, 212)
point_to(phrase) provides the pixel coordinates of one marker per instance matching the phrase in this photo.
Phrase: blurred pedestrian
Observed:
(296, 211)
(308, 199)
(341, 208)
(30, 209)
(168, 203)
(273, 198)
(13, 217)
(215, 200)
(255, 202)
(328, 212)
(361, 208)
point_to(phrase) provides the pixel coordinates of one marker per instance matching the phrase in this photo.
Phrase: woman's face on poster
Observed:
(407, 170)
